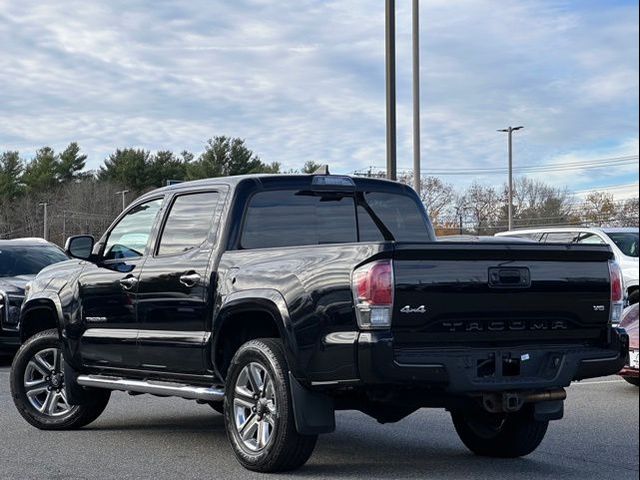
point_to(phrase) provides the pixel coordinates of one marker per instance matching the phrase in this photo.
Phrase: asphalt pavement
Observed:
(145, 437)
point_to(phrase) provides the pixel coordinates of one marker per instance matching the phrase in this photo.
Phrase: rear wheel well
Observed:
(37, 320)
(238, 328)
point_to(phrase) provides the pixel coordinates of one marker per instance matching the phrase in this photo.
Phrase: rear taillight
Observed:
(617, 292)
(372, 286)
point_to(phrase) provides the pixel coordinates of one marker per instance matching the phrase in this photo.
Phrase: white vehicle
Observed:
(623, 242)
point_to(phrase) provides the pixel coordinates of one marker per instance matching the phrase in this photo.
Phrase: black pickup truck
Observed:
(278, 300)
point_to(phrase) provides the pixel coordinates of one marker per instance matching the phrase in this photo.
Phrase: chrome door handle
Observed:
(128, 282)
(190, 279)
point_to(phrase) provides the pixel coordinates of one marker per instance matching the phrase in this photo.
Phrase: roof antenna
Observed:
(322, 170)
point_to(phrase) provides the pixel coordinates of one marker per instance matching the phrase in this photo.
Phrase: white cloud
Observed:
(304, 79)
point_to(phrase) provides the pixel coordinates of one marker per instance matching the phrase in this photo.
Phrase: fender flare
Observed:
(267, 300)
(40, 301)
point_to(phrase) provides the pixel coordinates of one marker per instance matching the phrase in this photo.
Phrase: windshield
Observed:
(627, 242)
(24, 260)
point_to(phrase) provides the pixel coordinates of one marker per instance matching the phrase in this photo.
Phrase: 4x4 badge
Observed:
(408, 309)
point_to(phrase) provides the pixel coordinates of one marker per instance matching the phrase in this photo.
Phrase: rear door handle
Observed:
(190, 279)
(128, 282)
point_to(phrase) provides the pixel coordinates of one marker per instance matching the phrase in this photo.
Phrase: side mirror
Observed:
(79, 246)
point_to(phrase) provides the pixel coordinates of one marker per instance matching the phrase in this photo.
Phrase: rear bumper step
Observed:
(154, 387)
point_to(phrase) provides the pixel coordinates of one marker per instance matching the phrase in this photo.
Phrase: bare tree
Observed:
(437, 196)
(481, 206)
(599, 209)
(537, 203)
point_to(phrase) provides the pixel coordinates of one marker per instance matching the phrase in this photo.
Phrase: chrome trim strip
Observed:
(170, 334)
(154, 387)
(119, 333)
(146, 335)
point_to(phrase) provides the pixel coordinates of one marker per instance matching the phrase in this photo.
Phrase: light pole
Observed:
(510, 131)
(45, 221)
(390, 56)
(123, 193)
(416, 95)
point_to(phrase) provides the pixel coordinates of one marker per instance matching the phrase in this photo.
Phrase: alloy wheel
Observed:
(44, 383)
(254, 407)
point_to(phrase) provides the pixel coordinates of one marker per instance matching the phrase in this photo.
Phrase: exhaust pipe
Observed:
(153, 387)
(548, 396)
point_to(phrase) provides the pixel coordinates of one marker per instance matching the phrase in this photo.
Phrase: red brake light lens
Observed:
(374, 283)
(617, 290)
(372, 286)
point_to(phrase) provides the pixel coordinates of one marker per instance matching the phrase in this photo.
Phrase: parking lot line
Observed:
(596, 382)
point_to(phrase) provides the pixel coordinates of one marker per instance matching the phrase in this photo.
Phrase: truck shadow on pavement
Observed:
(401, 451)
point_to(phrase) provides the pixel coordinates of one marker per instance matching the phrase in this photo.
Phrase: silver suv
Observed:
(623, 242)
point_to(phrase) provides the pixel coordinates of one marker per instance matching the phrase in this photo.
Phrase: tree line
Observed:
(482, 209)
(87, 201)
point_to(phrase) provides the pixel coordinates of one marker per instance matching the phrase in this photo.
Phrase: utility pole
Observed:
(124, 201)
(390, 56)
(416, 95)
(45, 221)
(510, 131)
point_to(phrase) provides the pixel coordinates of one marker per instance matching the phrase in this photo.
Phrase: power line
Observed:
(609, 187)
(568, 166)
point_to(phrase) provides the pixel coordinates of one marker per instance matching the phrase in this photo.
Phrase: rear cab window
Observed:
(282, 218)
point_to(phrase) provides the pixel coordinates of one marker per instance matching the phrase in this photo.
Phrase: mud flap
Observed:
(76, 394)
(547, 411)
(314, 412)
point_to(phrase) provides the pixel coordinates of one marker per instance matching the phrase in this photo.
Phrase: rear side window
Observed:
(591, 238)
(188, 224)
(562, 237)
(286, 218)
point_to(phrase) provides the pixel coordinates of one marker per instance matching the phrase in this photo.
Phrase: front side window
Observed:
(287, 218)
(129, 238)
(188, 223)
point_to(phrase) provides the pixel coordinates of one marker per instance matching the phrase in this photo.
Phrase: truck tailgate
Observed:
(474, 294)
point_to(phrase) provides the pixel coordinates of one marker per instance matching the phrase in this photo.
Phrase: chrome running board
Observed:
(154, 387)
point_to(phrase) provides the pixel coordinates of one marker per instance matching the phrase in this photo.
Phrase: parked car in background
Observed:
(483, 238)
(630, 323)
(623, 242)
(20, 260)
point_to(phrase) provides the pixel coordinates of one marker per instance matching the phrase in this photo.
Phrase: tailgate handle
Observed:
(509, 277)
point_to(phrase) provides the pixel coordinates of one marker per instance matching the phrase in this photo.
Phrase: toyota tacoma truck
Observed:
(279, 299)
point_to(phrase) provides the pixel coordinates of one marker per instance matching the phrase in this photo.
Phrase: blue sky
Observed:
(304, 80)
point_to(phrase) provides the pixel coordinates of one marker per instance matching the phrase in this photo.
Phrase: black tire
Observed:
(633, 297)
(633, 381)
(286, 449)
(77, 416)
(217, 406)
(500, 435)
